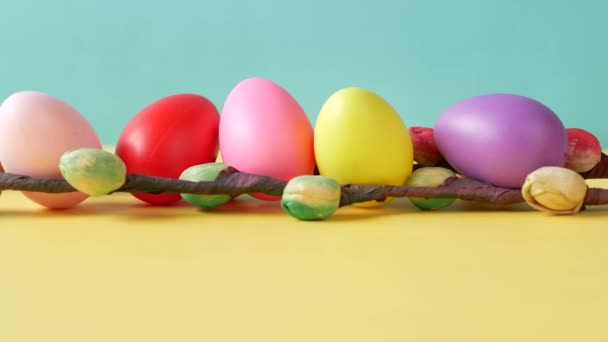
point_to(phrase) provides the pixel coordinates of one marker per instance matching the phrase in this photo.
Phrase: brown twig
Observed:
(234, 183)
(229, 182)
(600, 170)
(453, 187)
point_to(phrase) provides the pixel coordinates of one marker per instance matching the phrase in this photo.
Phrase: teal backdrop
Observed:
(111, 58)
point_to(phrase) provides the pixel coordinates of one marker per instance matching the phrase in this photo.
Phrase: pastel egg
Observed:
(36, 129)
(167, 137)
(501, 138)
(361, 138)
(265, 131)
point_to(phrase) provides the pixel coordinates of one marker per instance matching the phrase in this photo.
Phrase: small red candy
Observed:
(584, 150)
(426, 152)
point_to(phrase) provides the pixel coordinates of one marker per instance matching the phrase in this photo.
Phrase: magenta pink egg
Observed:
(501, 138)
(264, 130)
(35, 130)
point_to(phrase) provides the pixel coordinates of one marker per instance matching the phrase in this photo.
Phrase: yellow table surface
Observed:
(114, 269)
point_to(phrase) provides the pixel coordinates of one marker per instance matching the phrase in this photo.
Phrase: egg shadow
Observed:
(97, 209)
(245, 205)
(103, 207)
(145, 212)
(402, 207)
(352, 213)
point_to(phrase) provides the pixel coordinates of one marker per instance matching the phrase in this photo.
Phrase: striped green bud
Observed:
(94, 172)
(429, 177)
(311, 197)
(200, 173)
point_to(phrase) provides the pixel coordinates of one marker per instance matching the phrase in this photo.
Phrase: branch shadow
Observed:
(245, 206)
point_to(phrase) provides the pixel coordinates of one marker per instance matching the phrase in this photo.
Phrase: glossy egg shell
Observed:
(167, 137)
(265, 131)
(501, 138)
(35, 130)
(361, 139)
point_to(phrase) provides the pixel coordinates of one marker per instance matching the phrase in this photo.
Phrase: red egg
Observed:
(167, 137)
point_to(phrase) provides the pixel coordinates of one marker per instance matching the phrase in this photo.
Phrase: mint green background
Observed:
(111, 58)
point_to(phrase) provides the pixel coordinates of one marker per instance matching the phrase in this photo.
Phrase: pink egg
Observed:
(264, 131)
(35, 130)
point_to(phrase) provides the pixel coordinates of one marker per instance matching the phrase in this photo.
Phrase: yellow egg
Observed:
(360, 138)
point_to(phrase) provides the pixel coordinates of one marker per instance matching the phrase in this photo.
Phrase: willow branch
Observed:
(453, 187)
(229, 182)
(600, 170)
(234, 183)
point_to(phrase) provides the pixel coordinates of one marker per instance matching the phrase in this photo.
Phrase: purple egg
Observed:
(501, 138)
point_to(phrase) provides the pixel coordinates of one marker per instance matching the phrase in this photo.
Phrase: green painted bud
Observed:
(200, 173)
(93, 171)
(311, 197)
(430, 177)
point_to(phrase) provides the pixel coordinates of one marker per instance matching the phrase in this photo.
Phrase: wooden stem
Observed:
(232, 182)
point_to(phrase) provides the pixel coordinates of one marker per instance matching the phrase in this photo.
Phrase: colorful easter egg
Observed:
(167, 137)
(265, 131)
(360, 138)
(501, 138)
(36, 129)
